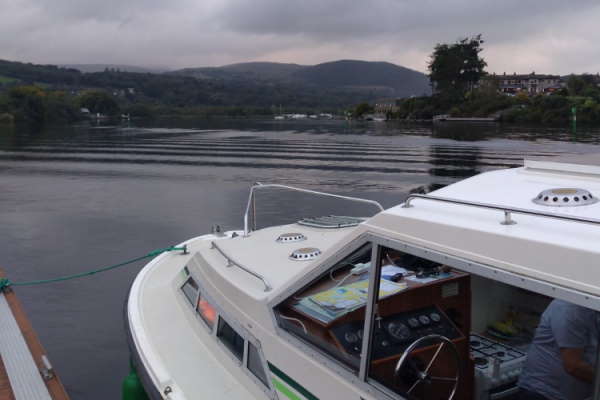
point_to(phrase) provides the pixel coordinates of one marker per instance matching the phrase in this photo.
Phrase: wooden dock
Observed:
(447, 118)
(25, 372)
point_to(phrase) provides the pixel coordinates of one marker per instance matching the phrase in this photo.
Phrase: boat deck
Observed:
(24, 375)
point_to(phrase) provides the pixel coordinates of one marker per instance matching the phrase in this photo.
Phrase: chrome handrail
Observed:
(507, 210)
(231, 261)
(259, 185)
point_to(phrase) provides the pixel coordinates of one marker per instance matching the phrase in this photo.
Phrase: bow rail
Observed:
(251, 206)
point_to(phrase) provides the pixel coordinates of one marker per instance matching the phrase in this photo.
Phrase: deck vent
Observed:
(305, 254)
(290, 237)
(565, 197)
(331, 221)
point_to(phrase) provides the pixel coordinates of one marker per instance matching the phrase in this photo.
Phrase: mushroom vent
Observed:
(565, 197)
(305, 254)
(290, 237)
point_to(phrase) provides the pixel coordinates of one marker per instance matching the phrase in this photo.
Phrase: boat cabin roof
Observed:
(261, 253)
(562, 254)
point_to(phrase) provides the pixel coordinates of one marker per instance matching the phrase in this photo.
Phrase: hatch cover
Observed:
(331, 221)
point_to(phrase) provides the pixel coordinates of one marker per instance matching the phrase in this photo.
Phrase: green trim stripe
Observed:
(295, 385)
(280, 386)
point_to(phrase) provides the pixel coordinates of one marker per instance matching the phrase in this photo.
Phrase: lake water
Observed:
(78, 198)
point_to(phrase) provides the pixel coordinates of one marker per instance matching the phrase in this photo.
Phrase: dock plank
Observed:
(54, 385)
(5, 389)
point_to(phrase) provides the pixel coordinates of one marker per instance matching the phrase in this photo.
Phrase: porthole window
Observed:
(206, 311)
(190, 290)
(231, 339)
(255, 364)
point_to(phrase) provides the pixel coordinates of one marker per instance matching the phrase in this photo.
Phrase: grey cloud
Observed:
(104, 10)
(548, 35)
(353, 19)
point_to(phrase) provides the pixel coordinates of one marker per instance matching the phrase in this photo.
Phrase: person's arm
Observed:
(574, 364)
(572, 326)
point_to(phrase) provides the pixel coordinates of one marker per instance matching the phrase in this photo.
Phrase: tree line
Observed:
(462, 88)
(29, 88)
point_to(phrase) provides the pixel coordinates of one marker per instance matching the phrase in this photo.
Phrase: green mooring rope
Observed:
(5, 282)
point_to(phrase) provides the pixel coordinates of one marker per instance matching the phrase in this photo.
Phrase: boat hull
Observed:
(136, 361)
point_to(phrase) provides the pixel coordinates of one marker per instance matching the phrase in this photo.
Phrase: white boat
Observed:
(410, 303)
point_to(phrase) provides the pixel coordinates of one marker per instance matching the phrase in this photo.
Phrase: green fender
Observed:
(132, 388)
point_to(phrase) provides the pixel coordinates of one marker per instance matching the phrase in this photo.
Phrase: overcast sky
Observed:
(546, 36)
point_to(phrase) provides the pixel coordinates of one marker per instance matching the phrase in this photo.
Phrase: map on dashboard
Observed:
(331, 304)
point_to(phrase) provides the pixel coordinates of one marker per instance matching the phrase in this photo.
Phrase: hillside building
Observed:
(386, 106)
(532, 83)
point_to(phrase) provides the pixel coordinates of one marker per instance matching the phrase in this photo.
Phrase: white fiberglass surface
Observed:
(174, 343)
(260, 252)
(556, 251)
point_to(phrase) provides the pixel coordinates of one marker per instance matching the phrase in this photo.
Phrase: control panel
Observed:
(392, 334)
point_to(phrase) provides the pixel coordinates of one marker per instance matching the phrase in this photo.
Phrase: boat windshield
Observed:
(340, 294)
(415, 297)
(433, 330)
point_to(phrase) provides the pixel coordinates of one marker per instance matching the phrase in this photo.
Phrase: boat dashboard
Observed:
(394, 333)
(418, 301)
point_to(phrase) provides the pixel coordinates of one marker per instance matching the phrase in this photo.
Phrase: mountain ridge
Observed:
(261, 85)
(388, 78)
(91, 68)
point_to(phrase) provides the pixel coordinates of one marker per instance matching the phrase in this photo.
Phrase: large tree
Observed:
(99, 101)
(28, 103)
(454, 69)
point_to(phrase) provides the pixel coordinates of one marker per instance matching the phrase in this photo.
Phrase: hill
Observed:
(88, 68)
(364, 75)
(378, 78)
(244, 88)
(266, 71)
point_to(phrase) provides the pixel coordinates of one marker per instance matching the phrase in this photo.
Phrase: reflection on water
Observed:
(76, 198)
(448, 161)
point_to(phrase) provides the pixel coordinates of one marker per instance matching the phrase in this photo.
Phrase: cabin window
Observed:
(231, 339)
(206, 311)
(255, 364)
(335, 299)
(190, 290)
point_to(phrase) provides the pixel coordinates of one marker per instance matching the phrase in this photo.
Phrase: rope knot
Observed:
(4, 283)
(168, 249)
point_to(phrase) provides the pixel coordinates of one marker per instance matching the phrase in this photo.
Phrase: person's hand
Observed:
(574, 364)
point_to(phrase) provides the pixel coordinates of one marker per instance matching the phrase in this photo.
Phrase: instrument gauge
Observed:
(424, 319)
(435, 317)
(398, 331)
(351, 337)
(413, 322)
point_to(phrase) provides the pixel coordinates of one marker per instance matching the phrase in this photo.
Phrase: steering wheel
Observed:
(423, 374)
